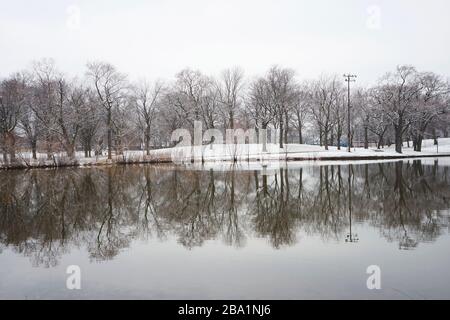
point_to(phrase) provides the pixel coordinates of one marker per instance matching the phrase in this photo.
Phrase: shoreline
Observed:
(116, 162)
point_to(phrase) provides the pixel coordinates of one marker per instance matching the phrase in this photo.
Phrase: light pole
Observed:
(351, 237)
(349, 78)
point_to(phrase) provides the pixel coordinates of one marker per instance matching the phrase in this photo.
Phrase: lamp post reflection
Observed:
(351, 237)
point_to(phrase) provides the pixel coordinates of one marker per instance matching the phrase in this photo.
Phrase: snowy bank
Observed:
(231, 153)
(292, 152)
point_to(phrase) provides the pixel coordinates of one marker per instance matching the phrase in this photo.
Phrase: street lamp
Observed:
(351, 237)
(349, 78)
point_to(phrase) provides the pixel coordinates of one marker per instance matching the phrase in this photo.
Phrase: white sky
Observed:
(158, 38)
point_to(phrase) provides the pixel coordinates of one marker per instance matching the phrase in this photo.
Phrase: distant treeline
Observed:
(44, 110)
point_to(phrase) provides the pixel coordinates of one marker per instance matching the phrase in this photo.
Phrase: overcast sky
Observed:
(158, 38)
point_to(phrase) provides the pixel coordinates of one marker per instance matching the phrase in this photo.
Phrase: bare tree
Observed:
(192, 87)
(429, 104)
(45, 97)
(396, 94)
(326, 93)
(48, 110)
(147, 99)
(109, 85)
(12, 97)
(282, 89)
(340, 118)
(28, 121)
(378, 123)
(174, 113)
(68, 114)
(230, 87)
(301, 107)
(260, 106)
(57, 106)
(90, 120)
(124, 132)
(363, 108)
(211, 105)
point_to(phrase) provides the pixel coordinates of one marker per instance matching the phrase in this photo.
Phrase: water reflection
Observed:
(45, 214)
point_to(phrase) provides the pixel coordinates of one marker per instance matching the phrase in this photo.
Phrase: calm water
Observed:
(301, 231)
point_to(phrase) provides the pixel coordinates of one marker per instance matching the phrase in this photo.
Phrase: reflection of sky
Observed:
(158, 38)
(312, 268)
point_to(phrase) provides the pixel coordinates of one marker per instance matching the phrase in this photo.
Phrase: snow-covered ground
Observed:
(294, 152)
(239, 153)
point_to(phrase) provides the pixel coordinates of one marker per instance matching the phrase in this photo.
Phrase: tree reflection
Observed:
(274, 211)
(44, 214)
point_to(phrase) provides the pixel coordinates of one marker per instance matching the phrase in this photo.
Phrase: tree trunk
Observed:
(321, 137)
(325, 138)
(419, 143)
(12, 154)
(352, 136)
(48, 145)
(231, 120)
(86, 149)
(286, 129)
(281, 133)
(435, 137)
(380, 140)
(300, 135)
(398, 138)
(366, 138)
(5, 155)
(11, 143)
(108, 125)
(71, 152)
(147, 139)
(33, 149)
(265, 186)
(339, 137)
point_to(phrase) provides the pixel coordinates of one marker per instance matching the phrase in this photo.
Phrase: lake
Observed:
(246, 231)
